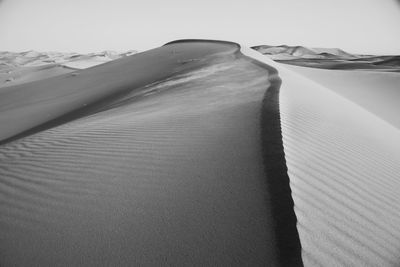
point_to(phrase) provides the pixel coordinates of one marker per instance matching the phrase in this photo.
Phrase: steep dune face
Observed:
(46, 103)
(343, 164)
(168, 173)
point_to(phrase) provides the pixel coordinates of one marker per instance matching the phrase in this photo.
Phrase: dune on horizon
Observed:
(202, 153)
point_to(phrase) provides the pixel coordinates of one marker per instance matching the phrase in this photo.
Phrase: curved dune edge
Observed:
(169, 173)
(288, 241)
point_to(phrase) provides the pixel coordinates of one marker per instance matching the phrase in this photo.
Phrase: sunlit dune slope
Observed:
(344, 164)
(376, 91)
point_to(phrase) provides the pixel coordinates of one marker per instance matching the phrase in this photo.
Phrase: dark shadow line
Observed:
(277, 178)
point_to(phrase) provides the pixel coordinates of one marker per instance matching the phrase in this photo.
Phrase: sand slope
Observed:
(168, 173)
(160, 159)
(376, 91)
(344, 166)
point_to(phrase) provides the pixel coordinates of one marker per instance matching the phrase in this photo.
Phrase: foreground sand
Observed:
(168, 173)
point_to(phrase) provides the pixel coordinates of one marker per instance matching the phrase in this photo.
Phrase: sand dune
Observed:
(292, 52)
(201, 153)
(344, 177)
(344, 166)
(328, 58)
(168, 173)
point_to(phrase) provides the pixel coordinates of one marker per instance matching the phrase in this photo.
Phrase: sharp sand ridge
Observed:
(170, 173)
(344, 166)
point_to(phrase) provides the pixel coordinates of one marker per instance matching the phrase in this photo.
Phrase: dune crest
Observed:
(167, 171)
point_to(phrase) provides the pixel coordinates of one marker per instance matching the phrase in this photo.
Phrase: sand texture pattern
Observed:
(169, 172)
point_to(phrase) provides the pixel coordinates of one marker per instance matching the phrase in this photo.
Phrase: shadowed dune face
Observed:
(66, 97)
(168, 173)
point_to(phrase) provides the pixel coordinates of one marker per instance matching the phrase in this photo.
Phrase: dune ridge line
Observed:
(172, 171)
(277, 173)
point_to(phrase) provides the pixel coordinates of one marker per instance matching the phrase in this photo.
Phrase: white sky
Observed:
(363, 26)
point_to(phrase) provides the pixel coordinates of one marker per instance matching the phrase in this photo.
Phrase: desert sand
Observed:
(202, 153)
(376, 91)
(343, 160)
(166, 171)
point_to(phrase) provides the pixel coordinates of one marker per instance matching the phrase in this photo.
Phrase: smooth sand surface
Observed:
(376, 91)
(167, 173)
(344, 166)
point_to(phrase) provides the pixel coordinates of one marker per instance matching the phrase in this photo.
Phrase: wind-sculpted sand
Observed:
(169, 172)
(344, 168)
(202, 153)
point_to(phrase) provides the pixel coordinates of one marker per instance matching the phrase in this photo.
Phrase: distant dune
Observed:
(328, 58)
(23, 67)
(200, 153)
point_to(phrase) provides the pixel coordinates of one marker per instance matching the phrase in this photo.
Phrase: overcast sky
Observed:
(363, 26)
